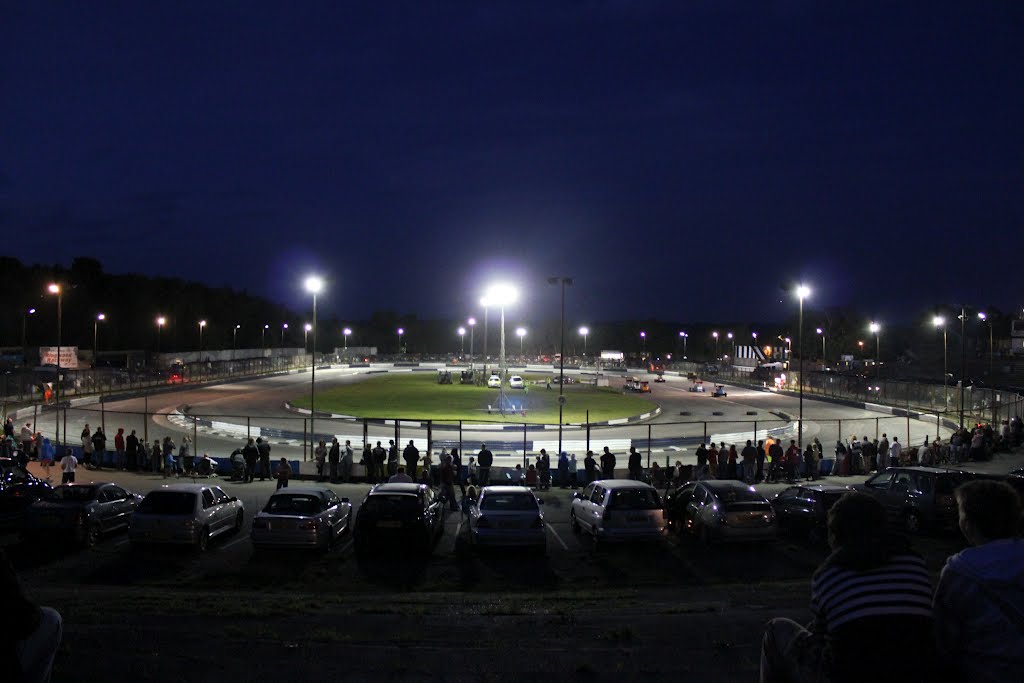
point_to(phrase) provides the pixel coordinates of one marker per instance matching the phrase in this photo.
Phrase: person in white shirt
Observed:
(400, 477)
(68, 464)
(894, 452)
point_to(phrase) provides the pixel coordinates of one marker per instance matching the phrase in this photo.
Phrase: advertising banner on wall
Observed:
(68, 356)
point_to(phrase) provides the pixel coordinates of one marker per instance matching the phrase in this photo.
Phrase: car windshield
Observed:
(635, 499)
(75, 493)
(508, 501)
(391, 505)
(293, 505)
(168, 503)
(738, 496)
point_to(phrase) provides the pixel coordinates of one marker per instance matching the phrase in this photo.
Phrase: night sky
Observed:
(680, 160)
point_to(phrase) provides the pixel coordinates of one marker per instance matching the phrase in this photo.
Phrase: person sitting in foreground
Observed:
(871, 600)
(400, 477)
(979, 603)
(32, 633)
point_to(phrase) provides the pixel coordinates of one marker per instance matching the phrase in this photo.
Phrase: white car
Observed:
(507, 515)
(618, 509)
(185, 514)
(494, 382)
(516, 382)
(309, 517)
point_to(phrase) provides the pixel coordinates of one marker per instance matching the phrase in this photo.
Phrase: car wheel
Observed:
(576, 528)
(239, 520)
(203, 541)
(912, 522)
(90, 535)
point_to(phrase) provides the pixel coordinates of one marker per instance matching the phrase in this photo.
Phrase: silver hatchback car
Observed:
(185, 514)
(618, 509)
(302, 517)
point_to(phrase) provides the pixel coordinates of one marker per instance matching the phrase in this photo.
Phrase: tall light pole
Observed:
(939, 321)
(486, 304)
(202, 325)
(643, 344)
(345, 335)
(715, 335)
(562, 282)
(685, 336)
(730, 337)
(584, 331)
(305, 335)
(284, 328)
(472, 326)
(875, 329)
(818, 330)
(54, 288)
(400, 331)
(160, 322)
(802, 292)
(754, 335)
(95, 336)
(501, 295)
(963, 359)
(263, 341)
(234, 337)
(984, 318)
(521, 333)
(313, 285)
(462, 342)
(24, 328)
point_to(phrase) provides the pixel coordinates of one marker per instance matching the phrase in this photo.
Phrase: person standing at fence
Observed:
(347, 457)
(590, 467)
(894, 452)
(284, 471)
(484, 460)
(119, 453)
(883, 452)
(87, 446)
(392, 458)
(26, 437)
(411, 456)
(333, 458)
(251, 455)
(131, 452)
(447, 476)
(635, 464)
(457, 466)
(731, 467)
(712, 462)
(607, 464)
(748, 454)
(572, 471)
(263, 447)
(320, 458)
(186, 456)
(759, 456)
(702, 462)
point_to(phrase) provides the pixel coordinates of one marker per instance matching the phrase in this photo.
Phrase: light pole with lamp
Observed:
(24, 328)
(521, 333)
(54, 288)
(234, 337)
(305, 335)
(802, 292)
(754, 335)
(284, 328)
(462, 342)
(501, 295)
(202, 324)
(818, 330)
(939, 321)
(95, 336)
(263, 340)
(561, 282)
(472, 326)
(160, 322)
(486, 304)
(584, 331)
(984, 318)
(643, 344)
(400, 331)
(715, 335)
(345, 335)
(875, 329)
(685, 336)
(730, 337)
(313, 285)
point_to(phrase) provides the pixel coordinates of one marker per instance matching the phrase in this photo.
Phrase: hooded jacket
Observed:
(979, 611)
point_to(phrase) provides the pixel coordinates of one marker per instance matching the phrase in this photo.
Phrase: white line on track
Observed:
(557, 537)
(234, 542)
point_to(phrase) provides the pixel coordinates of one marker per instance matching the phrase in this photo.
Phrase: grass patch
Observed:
(413, 396)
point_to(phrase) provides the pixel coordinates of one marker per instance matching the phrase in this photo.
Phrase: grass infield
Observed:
(418, 396)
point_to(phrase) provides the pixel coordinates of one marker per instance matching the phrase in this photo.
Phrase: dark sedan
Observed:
(18, 490)
(804, 509)
(81, 512)
(399, 516)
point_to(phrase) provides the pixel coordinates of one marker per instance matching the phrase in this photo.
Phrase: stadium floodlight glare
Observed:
(314, 284)
(584, 330)
(802, 292)
(875, 328)
(501, 294)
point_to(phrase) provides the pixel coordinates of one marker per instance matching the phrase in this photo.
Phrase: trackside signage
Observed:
(68, 356)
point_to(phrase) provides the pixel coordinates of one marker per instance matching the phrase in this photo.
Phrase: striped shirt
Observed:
(898, 588)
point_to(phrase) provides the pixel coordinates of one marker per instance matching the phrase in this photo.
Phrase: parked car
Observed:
(185, 514)
(507, 515)
(618, 509)
(917, 497)
(516, 382)
(494, 382)
(82, 512)
(721, 510)
(804, 509)
(399, 516)
(18, 490)
(308, 517)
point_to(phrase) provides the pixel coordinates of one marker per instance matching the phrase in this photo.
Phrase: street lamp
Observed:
(875, 329)
(284, 327)
(643, 344)
(263, 342)
(472, 326)
(501, 295)
(984, 318)
(584, 331)
(54, 288)
(305, 335)
(462, 342)
(685, 336)
(202, 324)
(754, 335)
(715, 335)
(562, 282)
(95, 336)
(818, 330)
(401, 331)
(234, 337)
(802, 292)
(729, 335)
(24, 328)
(313, 285)
(160, 322)
(939, 321)
(345, 334)
(520, 332)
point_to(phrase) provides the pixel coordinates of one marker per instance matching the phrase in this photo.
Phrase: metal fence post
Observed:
(876, 426)
(460, 439)
(195, 436)
(145, 418)
(525, 465)
(649, 428)
(305, 437)
(366, 432)
(430, 440)
(755, 431)
(588, 430)
(705, 431)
